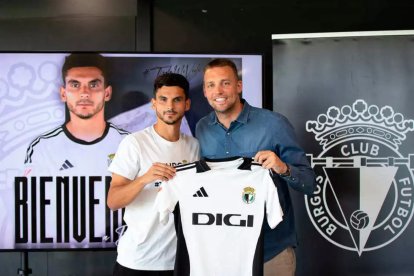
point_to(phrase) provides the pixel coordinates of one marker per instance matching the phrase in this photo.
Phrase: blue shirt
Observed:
(254, 130)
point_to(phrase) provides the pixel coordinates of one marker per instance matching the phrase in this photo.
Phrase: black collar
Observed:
(202, 166)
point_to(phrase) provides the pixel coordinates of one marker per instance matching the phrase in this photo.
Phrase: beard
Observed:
(164, 117)
(83, 114)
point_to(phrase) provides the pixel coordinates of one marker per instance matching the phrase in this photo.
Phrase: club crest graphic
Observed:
(364, 195)
(29, 105)
(249, 194)
(110, 158)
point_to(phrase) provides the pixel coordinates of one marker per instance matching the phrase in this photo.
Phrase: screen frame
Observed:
(255, 99)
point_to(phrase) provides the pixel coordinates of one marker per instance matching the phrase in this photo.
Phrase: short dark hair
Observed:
(172, 79)
(85, 60)
(221, 62)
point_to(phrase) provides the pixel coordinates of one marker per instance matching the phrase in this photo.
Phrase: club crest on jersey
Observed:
(249, 194)
(364, 195)
(110, 158)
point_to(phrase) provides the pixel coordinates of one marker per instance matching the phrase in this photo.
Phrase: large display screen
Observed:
(63, 206)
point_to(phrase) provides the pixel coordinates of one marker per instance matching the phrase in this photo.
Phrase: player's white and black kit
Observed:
(71, 175)
(146, 244)
(58, 152)
(219, 208)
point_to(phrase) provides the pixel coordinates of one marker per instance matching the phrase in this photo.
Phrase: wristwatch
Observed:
(287, 172)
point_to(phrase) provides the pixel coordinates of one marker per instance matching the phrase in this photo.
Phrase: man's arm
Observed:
(123, 190)
(287, 158)
(299, 175)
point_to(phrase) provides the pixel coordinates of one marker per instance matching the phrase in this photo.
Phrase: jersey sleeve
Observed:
(126, 161)
(165, 201)
(35, 160)
(274, 211)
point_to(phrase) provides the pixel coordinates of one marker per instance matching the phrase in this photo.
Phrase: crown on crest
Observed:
(249, 190)
(360, 120)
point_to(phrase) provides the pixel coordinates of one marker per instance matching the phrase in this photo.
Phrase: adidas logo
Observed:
(201, 193)
(66, 165)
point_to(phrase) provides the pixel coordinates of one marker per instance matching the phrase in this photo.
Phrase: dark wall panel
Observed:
(329, 87)
(68, 25)
(80, 33)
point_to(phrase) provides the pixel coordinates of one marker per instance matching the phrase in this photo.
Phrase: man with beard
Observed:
(78, 153)
(142, 161)
(78, 144)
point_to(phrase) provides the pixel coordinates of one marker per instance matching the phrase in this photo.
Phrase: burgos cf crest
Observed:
(364, 197)
(249, 194)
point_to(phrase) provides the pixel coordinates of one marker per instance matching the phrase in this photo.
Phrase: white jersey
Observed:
(70, 179)
(58, 152)
(219, 209)
(147, 245)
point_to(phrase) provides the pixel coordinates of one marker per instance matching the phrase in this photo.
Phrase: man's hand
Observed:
(123, 191)
(158, 171)
(270, 160)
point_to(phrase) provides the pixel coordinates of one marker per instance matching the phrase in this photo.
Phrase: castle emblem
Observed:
(364, 196)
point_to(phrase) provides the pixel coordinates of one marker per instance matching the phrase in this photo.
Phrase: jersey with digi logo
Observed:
(219, 207)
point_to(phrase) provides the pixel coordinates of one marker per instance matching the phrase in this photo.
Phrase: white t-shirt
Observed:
(147, 245)
(221, 208)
